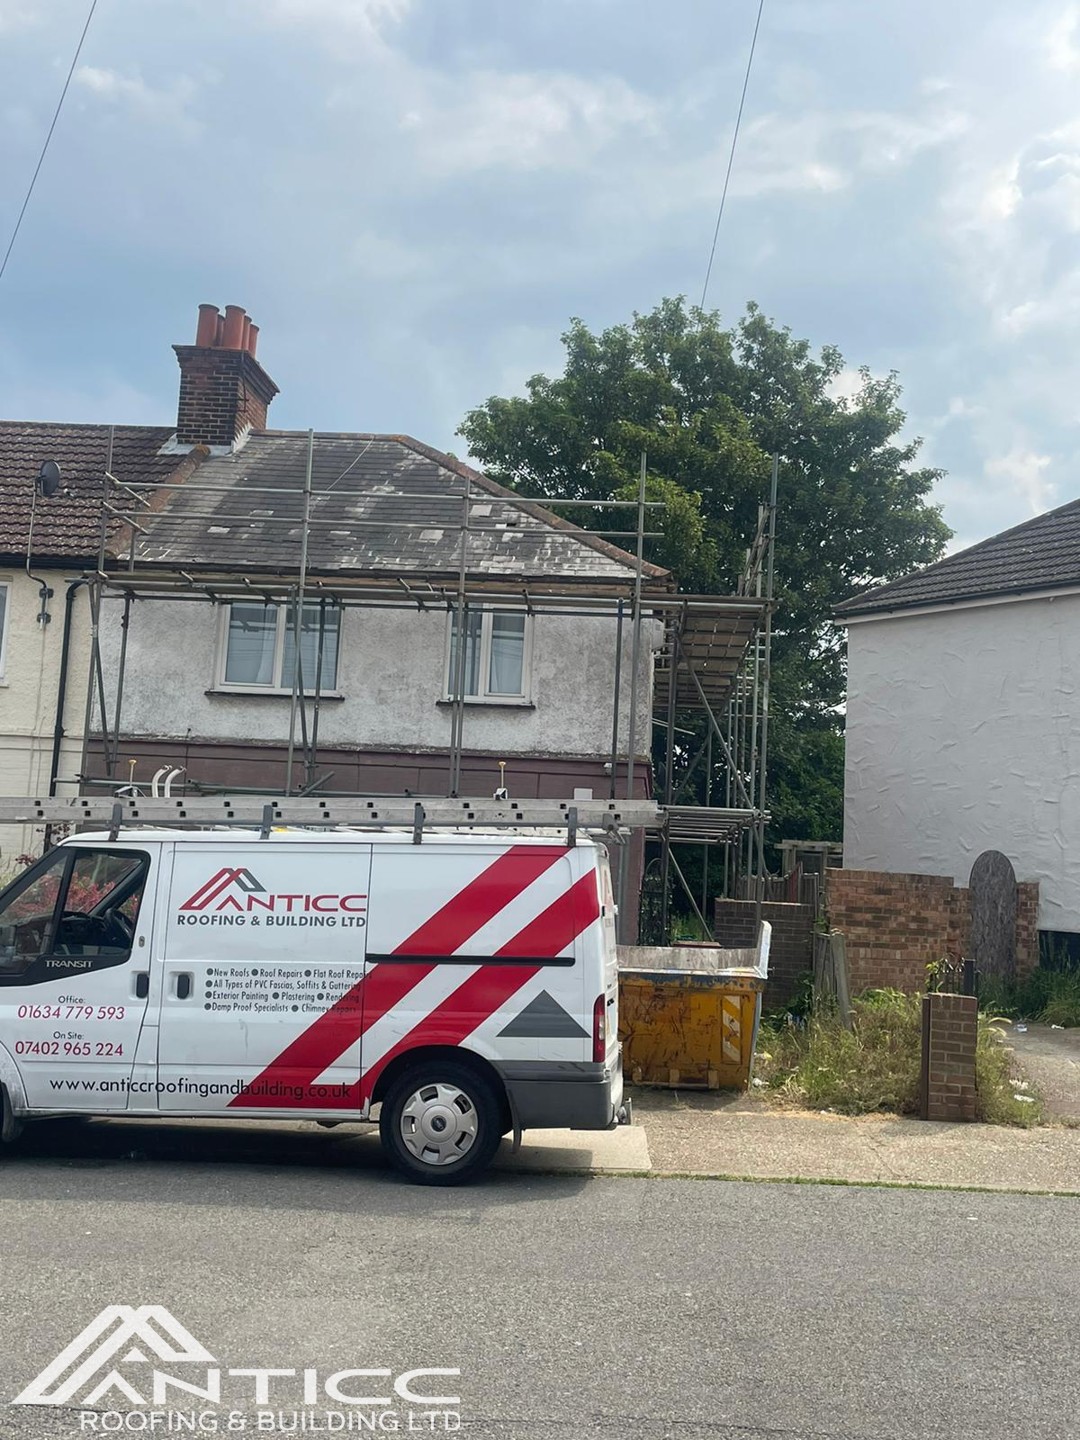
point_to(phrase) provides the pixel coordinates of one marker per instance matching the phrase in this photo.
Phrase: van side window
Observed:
(75, 904)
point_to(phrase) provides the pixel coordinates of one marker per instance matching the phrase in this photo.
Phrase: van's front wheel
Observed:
(441, 1123)
(10, 1124)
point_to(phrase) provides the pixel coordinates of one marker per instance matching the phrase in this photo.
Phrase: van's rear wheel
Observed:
(441, 1123)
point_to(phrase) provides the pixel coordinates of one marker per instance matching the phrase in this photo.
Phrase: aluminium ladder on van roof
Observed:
(697, 824)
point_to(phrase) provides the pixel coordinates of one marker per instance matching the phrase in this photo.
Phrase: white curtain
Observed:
(309, 648)
(252, 638)
(507, 654)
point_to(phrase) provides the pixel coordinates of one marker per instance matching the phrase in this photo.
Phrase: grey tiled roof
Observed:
(399, 480)
(67, 527)
(1040, 554)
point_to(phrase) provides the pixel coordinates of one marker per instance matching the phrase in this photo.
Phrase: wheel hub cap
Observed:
(439, 1124)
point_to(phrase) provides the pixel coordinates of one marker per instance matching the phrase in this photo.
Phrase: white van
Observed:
(466, 985)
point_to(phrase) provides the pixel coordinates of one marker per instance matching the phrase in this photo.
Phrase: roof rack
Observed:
(702, 825)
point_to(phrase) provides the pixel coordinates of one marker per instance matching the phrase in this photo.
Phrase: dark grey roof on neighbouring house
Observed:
(68, 526)
(1040, 554)
(405, 520)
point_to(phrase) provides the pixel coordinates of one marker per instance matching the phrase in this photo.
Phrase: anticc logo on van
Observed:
(238, 891)
(110, 1363)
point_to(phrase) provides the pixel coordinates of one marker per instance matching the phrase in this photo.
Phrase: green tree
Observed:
(710, 406)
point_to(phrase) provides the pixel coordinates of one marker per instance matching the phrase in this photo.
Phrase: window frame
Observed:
(232, 687)
(484, 695)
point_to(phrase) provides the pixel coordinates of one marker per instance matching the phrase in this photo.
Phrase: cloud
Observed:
(18, 15)
(848, 384)
(524, 122)
(1024, 470)
(336, 24)
(1063, 41)
(169, 105)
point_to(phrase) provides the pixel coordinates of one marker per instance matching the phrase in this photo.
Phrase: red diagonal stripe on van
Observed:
(488, 989)
(560, 924)
(384, 986)
(481, 900)
(202, 897)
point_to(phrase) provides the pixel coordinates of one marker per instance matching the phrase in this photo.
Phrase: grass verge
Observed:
(815, 1062)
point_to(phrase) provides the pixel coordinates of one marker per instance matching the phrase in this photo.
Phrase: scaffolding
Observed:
(711, 670)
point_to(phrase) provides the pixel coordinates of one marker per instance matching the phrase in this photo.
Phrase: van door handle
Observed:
(142, 984)
(182, 987)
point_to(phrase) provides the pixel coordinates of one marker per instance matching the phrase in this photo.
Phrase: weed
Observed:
(1051, 996)
(817, 1063)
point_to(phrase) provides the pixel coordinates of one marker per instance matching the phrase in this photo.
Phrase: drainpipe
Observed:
(61, 693)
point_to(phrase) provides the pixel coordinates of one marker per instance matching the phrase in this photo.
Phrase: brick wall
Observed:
(895, 925)
(950, 1024)
(790, 955)
(221, 392)
(1027, 926)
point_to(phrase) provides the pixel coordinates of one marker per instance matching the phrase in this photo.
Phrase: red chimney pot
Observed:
(253, 339)
(206, 334)
(234, 327)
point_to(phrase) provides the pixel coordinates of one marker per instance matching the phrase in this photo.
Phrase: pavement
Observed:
(675, 1133)
(696, 1134)
(574, 1308)
(1051, 1057)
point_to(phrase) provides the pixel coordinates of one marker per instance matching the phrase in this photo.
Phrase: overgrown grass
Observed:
(1049, 996)
(815, 1062)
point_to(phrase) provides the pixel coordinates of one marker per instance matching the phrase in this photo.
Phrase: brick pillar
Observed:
(950, 1026)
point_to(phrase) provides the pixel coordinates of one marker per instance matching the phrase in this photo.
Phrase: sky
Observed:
(412, 198)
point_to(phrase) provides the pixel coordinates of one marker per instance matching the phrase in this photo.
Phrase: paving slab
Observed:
(577, 1151)
(704, 1135)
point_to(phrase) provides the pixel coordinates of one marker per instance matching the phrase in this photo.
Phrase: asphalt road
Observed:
(574, 1308)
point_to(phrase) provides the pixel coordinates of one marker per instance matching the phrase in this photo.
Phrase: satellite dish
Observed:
(48, 480)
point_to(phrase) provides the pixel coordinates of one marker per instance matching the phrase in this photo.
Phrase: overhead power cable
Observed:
(731, 155)
(48, 138)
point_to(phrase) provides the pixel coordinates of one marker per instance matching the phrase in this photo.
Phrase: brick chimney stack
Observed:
(223, 388)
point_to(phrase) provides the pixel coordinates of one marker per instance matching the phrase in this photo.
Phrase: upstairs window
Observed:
(258, 646)
(496, 656)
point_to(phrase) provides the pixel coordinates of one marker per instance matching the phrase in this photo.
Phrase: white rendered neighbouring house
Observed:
(963, 715)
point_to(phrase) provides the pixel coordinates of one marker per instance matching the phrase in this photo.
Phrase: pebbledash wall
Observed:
(386, 728)
(961, 736)
(896, 925)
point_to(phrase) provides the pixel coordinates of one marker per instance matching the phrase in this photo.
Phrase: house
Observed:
(963, 731)
(49, 543)
(240, 609)
(184, 560)
(362, 539)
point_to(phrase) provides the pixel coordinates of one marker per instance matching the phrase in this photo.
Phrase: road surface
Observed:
(574, 1308)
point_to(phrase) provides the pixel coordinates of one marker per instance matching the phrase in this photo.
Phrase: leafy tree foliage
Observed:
(710, 406)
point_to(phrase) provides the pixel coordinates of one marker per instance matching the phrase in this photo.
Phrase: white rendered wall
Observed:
(28, 693)
(391, 674)
(963, 735)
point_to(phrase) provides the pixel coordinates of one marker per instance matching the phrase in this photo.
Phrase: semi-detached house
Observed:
(205, 541)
